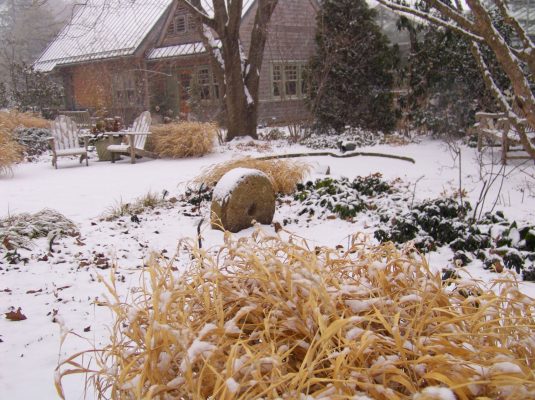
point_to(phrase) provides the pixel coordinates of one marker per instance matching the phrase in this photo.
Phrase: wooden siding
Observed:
(189, 36)
(93, 87)
(290, 40)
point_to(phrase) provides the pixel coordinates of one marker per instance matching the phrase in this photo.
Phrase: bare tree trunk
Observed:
(237, 75)
(240, 106)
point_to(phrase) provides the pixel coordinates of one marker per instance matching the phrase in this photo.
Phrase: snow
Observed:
(61, 290)
(231, 180)
(435, 393)
(505, 367)
(232, 385)
(197, 348)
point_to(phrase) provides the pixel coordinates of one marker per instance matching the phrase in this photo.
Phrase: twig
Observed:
(414, 190)
(199, 239)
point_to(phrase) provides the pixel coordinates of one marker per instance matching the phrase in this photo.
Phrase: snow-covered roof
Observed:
(176, 51)
(103, 29)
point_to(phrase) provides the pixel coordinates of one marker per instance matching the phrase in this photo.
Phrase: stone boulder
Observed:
(241, 196)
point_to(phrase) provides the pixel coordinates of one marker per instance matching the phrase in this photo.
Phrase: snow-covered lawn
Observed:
(61, 291)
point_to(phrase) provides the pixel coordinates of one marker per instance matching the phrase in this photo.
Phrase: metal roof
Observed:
(103, 29)
(177, 51)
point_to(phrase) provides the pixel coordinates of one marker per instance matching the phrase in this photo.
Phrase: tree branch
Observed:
(404, 10)
(195, 7)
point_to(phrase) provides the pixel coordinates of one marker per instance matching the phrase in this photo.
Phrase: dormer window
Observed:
(182, 23)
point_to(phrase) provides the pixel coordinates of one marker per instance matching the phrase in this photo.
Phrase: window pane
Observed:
(277, 80)
(203, 76)
(277, 76)
(290, 75)
(304, 86)
(276, 89)
(290, 72)
(291, 88)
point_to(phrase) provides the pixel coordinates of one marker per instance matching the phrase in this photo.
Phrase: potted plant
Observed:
(103, 136)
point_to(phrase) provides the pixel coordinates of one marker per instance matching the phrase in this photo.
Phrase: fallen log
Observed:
(346, 155)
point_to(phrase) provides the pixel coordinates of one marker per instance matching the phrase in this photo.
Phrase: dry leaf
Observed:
(15, 315)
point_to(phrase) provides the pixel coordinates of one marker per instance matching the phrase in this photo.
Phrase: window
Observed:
(182, 23)
(203, 79)
(287, 80)
(290, 80)
(124, 87)
(277, 80)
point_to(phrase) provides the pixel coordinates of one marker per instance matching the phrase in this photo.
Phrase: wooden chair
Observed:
(65, 140)
(136, 138)
(81, 118)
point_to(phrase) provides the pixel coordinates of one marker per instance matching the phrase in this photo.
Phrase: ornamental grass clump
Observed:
(183, 139)
(260, 317)
(283, 174)
(14, 119)
(11, 152)
(18, 230)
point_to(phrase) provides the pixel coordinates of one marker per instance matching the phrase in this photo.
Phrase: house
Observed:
(125, 56)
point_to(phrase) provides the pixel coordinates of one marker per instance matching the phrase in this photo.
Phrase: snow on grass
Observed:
(66, 283)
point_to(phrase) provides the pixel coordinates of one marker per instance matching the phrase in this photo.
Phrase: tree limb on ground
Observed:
(347, 155)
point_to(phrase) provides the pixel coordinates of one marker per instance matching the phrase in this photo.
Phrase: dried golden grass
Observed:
(284, 174)
(13, 119)
(10, 151)
(183, 139)
(265, 318)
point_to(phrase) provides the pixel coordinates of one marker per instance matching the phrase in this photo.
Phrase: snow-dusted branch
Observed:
(477, 25)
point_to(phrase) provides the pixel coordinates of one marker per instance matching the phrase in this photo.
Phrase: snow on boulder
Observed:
(241, 196)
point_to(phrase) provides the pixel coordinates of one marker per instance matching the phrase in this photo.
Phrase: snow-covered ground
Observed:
(61, 292)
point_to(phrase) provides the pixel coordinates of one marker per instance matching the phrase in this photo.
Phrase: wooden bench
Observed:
(496, 128)
(81, 118)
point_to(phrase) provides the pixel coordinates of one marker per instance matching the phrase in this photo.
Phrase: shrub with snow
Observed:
(341, 197)
(34, 140)
(357, 136)
(440, 222)
(17, 231)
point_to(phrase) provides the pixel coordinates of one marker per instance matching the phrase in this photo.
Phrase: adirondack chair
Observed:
(65, 140)
(81, 118)
(136, 137)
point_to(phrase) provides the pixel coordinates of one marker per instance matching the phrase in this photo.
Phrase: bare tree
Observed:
(517, 59)
(238, 75)
(26, 27)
